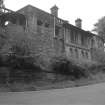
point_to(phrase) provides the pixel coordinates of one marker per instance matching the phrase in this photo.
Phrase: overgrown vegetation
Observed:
(98, 55)
(18, 65)
(15, 56)
(68, 68)
(19, 68)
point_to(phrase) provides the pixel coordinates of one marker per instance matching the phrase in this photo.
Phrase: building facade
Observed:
(56, 37)
(62, 37)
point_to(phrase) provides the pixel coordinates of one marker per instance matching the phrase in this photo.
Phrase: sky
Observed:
(88, 10)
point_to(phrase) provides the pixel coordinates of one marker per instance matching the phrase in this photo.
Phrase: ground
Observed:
(86, 95)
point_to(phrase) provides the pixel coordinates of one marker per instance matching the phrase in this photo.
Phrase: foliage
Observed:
(17, 42)
(16, 54)
(68, 68)
(100, 27)
(96, 68)
(98, 55)
(4, 75)
(20, 68)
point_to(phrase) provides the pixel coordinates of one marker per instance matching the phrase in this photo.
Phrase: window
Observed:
(59, 21)
(57, 30)
(39, 22)
(82, 52)
(82, 40)
(88, 41)
(71, 51)
(100, 44)
(87, 55)
(92, 43)
(62, 45)
(76, 53)
(46, 25)
(74, 37)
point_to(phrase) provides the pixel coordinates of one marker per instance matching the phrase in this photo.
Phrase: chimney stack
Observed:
(78, 23)
(54, 10)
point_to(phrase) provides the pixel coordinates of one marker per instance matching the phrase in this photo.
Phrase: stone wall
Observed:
(44, 41)
(75, 48)
(48, 44)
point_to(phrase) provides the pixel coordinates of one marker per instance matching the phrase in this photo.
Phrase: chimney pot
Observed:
(54, 10)
(78, 23)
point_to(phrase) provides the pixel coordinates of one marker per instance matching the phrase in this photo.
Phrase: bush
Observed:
(19, 62)
(68, 68)
(16, 51)
(96, 68)
(4, 75)
(98, 55)
(21, 67)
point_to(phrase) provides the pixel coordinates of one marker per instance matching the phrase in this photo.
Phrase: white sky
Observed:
(88, 10)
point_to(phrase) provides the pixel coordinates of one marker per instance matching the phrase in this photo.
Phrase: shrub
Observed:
(98, 55)
(68, 68)
(96, 68)
(4, 75)
(16, 51)
(22, 67)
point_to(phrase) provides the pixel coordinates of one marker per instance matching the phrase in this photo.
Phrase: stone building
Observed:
(62, 37)
(54, 36)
